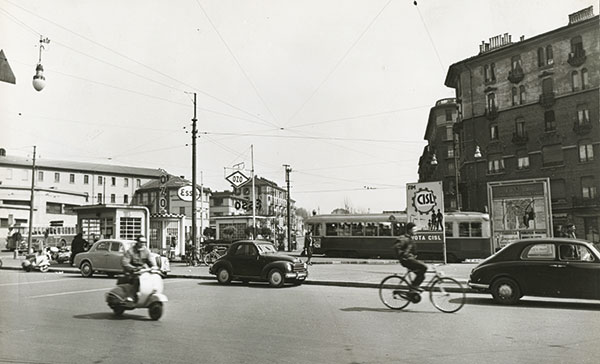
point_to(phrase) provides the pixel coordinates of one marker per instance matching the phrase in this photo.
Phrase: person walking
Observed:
(308, 246)
(571, 231)
(77, 246)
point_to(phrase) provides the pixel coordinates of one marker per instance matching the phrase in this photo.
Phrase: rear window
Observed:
(539, 252)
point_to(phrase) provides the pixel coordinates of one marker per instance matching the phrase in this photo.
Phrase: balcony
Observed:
(583, 127)
(491, 113)
(577, 58)
(516, 75)
(547, 99)
(586, 202)
(520, 138)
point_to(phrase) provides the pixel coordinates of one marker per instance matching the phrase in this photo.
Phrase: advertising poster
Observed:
(425, 208)
(519, 209)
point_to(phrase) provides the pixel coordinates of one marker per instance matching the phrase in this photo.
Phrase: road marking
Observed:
(90, 290)
(23, 283)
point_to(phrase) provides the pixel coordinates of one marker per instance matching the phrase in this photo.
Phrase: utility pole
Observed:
(194, 132)
(288, 169)
(29, 248)
(253, 194)
(201, 208)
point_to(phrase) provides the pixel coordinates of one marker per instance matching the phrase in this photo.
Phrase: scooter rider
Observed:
(134, 260)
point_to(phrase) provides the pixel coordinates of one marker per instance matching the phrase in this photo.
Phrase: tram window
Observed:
(345, 229)
(463, 229)
(331, 229)
(357, 229)
(317, 231)
(476, 229)
(448, 231)
(385, 229)
(370, 229)
(398, 229)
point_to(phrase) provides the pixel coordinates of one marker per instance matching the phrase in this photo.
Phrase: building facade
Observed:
(530, 109)
(59, 187)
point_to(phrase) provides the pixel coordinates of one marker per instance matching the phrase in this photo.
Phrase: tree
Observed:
(302, 212)
(265, 232)
(340, 211)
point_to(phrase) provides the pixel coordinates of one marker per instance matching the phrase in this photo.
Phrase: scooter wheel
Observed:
(155, 310)
(44, 268)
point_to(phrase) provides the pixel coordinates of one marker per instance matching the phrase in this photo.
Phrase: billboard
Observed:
(425, 208)
(519, 209)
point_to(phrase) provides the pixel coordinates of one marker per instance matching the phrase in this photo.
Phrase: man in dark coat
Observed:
(77, 246)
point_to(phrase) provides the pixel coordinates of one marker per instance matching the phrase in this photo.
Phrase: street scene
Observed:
(299, 182)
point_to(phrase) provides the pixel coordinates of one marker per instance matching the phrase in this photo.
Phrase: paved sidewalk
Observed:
(345, 272)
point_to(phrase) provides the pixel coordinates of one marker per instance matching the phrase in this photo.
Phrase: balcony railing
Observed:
(577, 58)
(491, 113)
(516, 75)
(586, 202)
(520, 138)
(583, 127)
(547, 99)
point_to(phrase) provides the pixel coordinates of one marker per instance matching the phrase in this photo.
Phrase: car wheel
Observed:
(86, 269)
(505, 291)
(223, 276)
(276, 278)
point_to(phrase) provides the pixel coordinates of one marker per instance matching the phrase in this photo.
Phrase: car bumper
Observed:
(296, 275)
(478, 286)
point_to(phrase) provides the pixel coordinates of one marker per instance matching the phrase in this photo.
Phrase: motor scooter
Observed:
(150, 294)
(38, 261)
(59, 255)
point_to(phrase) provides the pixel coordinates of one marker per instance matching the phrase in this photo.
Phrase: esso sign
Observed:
(185, 193)
(424, 201)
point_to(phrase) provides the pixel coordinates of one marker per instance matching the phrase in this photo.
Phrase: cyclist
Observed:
(406, 251)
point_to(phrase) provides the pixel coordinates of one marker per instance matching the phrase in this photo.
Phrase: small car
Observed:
(543, 267)
(105, 257)
(257, 260)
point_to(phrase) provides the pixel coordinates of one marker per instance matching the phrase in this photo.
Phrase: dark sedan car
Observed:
(257, 260)
(546, 267)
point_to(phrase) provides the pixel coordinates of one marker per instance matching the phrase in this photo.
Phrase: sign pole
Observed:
(194, 132)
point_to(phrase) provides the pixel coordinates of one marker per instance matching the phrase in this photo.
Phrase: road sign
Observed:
(237, 179)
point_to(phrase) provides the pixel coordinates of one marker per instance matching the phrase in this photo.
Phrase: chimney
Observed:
(522, 38)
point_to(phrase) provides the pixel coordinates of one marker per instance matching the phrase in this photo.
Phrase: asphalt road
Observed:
(60, 318)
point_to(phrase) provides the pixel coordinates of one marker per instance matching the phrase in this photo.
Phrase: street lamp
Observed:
(434, 161)
(39, 81)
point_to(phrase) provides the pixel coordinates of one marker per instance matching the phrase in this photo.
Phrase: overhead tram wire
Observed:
(132, 60)
(311, 137)
(430, 38)
(335, 67)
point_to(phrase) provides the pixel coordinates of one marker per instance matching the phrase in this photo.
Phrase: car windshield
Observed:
(266, 249)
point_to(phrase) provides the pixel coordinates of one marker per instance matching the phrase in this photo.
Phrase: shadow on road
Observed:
(381, 309)
(112, 316)
(263, 285)
(586, 306)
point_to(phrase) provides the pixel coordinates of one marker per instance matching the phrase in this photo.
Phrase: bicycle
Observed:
(212, 256)
(445, 293)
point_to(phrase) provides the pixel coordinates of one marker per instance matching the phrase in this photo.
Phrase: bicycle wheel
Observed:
(209, 258)
(447, 294)
(393, 292)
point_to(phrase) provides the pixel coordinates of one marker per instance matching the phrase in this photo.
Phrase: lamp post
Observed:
(288, 169)
(39, 81)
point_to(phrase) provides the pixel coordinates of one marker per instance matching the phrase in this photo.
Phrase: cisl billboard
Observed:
(425, 208)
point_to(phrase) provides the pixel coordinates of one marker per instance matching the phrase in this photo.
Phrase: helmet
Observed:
(141, 239)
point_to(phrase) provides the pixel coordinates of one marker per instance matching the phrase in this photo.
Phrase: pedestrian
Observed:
(77, 246)
(308, 246)
(571, 231)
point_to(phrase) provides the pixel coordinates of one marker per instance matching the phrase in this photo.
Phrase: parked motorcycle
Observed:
(38, 261)
(150, 294)
(59, 255)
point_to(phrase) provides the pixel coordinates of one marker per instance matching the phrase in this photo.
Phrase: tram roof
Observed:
(396, 216)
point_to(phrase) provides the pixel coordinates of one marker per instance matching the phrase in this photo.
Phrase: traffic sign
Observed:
(237, 179)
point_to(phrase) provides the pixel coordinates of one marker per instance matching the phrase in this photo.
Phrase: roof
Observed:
(172, 183)
(18, 161)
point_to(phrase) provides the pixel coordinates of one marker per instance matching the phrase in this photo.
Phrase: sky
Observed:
(340, 90)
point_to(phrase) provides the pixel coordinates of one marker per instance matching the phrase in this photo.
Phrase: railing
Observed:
(586, 202)
(520, 138)
(547, 99)
(577, 58)
(491, 113)
(583, 127)
(516, 75)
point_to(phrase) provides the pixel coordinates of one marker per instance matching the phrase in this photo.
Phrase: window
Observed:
(71, 178)
(588, 187)
(125, 199)
(469, 229)
(493, 72)
(116, 247)
(86, 179)
(515, 64)
(87, 197)
(451, 151)
(448, 115)
(56, 177)
(583, 114)
(495, 164)
(541, 57)
(557, 189)
(112, 198)
(549, 55)
(586, 151)
(99, 198)
(357, 229)
(370, 229)
(523, 162)
(181, 210)
(100, 180)
(450, 168)
(130, 227)
(126, 182)
(385, 229)
(53, 208)
(491, 101)
(547, 86)
(539, 251)
(549, 120)
(577, 47)
(552, 155)
(138, 182)
(331, 229)
(113, 181)
(574, 252)
(103, 246)
(449, 133)
(41, 176)
(590, 229)
(520, 127)
(515, 96)
(521, 95)
(494, 132)
(584, 79)
(575, 81)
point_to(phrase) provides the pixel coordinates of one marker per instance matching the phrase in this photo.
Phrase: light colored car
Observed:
(105, 257)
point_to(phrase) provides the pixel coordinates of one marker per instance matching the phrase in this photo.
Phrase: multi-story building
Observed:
(59, 186)
(530, 109)
(439, 158)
